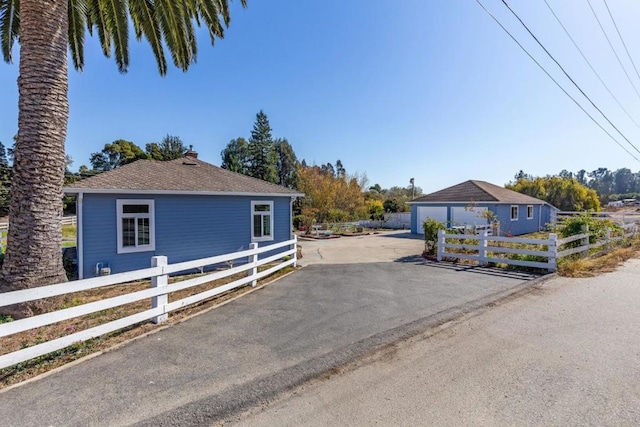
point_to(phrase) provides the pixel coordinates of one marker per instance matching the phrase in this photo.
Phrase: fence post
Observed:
(483, 247)
(161, 281)
(440, 245)
(253, 259)
(553, 252)
(585, 241)
(607, 236)
(295, 253)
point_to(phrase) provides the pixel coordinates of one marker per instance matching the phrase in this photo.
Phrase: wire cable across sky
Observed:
(568, 76)
(590, 65)
(555, 81)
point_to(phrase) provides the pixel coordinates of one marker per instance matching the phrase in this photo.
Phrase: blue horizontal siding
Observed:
(520, 226)
(186, 228)
(502, 211)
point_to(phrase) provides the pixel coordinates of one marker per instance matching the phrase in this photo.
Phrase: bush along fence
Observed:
(524, 252)
(157, 295)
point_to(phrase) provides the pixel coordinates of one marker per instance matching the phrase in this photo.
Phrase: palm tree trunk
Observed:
(34, 242)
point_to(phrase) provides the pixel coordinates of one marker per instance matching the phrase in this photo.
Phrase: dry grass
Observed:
(37, 366)
(599, 264)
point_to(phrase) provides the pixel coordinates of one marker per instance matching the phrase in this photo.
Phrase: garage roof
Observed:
(478, 191)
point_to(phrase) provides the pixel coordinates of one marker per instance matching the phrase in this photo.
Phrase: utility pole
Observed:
(413, 188)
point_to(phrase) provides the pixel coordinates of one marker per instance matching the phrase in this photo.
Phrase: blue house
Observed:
(185, 209)
(472, 202)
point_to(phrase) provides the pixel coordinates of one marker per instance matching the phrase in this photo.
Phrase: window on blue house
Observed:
(514, 213)
(135, 225)
(530, 212)
(261, 221)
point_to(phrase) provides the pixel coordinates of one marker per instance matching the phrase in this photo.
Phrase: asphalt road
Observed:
(566, 354)
(252, 350)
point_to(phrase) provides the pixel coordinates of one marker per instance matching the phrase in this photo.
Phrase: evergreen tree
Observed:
(170, 148)
(262, 154)
(235, 156)
(340, 170)
(287, 163)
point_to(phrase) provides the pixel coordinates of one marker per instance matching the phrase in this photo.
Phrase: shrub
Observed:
(431, 228)
(597, 227)
(298, 221)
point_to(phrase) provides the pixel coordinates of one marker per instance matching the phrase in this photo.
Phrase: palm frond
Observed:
(96, 17)
(144, 23)
(189, 31)
(9, 27)
(77, 22)
(115, 18)
(210, 10)
(170, 18)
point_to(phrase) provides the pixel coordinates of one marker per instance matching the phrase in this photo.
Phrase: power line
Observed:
(568, 76)
(555, 81)
(589, 63)
(612, 48)
(621, 39)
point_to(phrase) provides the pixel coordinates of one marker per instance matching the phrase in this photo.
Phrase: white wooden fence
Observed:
(483, 252)
(157, 293)
(4, 229)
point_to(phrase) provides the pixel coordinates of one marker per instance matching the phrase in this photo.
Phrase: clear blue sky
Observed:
(431, 89)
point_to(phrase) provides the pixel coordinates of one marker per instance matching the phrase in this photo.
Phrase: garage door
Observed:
(439, 213)
(462, 216)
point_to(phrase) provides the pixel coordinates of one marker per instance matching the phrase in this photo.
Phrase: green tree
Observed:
(391, 205)
(46, 30)
(581, 176)
(287, 165)
(262, 153)
(624, 181)
(340, 170)
(170, 148)
(601, 181)
(235, 156)
(116, 154)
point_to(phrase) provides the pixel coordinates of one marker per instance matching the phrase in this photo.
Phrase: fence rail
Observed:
(4, 230)
(157, 293)
(483, 252)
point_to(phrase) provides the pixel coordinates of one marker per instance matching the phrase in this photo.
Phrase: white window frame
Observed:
(271, 215)
(511, 212)
(152, 225)
(529, 209)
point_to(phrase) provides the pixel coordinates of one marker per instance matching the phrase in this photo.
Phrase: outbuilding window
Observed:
(530, 212)
(261, 221)
(514, 213)
(135, 225)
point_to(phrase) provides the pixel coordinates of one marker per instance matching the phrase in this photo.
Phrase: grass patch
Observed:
(599, 264)
(31, 368)
(69, 230)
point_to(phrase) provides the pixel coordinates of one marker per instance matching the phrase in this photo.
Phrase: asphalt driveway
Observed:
(251, 350)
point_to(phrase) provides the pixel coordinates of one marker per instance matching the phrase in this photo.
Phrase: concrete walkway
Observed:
(567, 354)
(253, 349)
(388, 246)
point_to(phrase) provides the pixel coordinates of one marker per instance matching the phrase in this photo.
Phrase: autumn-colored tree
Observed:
(564, 193)
(334, 198)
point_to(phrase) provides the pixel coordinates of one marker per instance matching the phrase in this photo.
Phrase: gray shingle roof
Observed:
(181, 175)
(478, 191)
